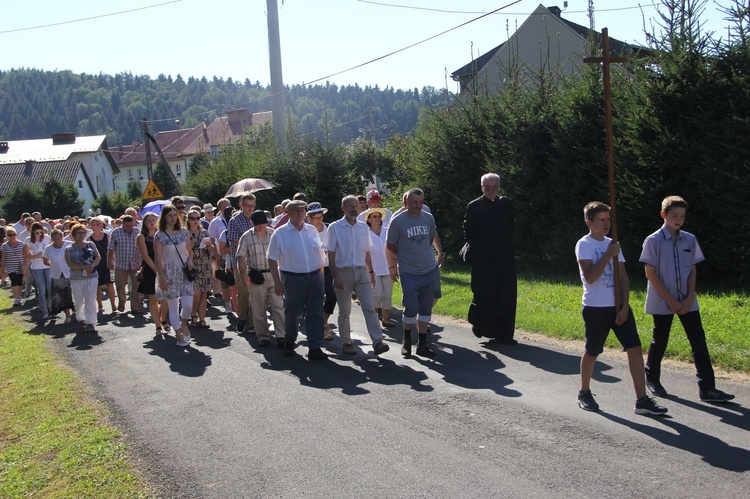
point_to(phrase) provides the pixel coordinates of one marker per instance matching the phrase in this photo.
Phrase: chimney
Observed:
(555, 10)
(63, 138)
(242, 116)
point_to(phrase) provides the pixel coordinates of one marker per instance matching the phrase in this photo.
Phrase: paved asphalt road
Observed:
(226, 419)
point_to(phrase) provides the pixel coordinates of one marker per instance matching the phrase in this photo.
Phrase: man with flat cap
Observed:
(296, 258)
(251, 257)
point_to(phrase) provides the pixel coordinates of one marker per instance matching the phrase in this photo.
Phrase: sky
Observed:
(320, 39)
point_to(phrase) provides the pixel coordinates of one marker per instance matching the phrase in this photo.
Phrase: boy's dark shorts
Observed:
(597, 322)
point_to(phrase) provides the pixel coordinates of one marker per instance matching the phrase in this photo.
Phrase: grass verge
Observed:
(552, 306)
(53, 439)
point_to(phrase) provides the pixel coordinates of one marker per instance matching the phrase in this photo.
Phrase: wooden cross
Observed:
(605, 61)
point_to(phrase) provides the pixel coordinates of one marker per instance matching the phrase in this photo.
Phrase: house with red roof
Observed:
(179, 146)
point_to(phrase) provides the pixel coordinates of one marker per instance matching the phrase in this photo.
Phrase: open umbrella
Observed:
(192, 201)
(154, 207)
(248, 185)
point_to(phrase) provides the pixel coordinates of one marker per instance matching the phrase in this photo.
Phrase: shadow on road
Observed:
(186, 361)
(712, 450)
(730, 413)
(551, 360)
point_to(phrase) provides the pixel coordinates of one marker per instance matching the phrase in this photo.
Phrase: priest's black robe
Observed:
(488, 228)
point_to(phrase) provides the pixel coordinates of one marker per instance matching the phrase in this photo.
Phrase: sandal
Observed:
(203, 324)
(388, 324)
(167, 328)
(194, 321)
(159, 331)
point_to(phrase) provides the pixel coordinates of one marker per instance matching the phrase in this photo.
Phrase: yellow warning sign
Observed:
(152, 191)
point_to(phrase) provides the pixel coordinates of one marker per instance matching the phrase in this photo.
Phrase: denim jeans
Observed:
(43, 282)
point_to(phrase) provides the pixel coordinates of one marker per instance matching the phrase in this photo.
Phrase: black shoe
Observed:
(425, 351)
(380, 347)
(716, 396)
(647, 407)
(289, 349)
(280, 342)
(476, 332)
(406, 348)
(264, 343)
(241, 326)
(316, 354)
(656, 389)
(586, 401)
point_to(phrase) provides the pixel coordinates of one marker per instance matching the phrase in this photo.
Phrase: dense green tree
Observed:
(134, 190)
(113, 205)
(59, 199)
(165, 180)
(19, 199)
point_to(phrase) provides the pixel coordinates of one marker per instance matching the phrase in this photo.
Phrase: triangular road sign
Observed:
(152, 191)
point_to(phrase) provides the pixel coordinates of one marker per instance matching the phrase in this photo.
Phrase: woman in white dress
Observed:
(172, 256)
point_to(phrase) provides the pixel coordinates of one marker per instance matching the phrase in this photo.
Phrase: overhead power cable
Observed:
(88, 18)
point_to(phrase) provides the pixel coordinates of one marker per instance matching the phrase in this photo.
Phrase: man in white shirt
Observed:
(295, 258)
(348, 244)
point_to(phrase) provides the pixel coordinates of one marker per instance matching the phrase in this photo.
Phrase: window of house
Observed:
(178, 169)
(140, 173)
(130, 173)
(215, 152)
(80, 184)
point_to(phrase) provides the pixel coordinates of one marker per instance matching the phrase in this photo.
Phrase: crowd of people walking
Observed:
(293, 266)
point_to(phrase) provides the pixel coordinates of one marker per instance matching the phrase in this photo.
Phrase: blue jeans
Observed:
(304, 294)
(43, 282)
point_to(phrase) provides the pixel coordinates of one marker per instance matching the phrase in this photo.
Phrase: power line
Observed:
(413, 7)
(89, 18)
(417, 43)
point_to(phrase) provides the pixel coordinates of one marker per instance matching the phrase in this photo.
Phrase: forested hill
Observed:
(36, 104)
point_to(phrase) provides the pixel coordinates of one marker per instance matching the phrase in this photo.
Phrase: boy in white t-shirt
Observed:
(595, 252)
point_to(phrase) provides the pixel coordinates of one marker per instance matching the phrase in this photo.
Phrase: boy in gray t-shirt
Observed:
(409, 241)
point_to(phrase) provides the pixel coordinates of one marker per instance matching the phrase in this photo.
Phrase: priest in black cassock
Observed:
(488, 230)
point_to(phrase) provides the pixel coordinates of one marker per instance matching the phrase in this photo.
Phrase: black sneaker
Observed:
(240, 326)
(316, 354)
(406, 348)
(264, 343)
(280, 342)
(656, 389)
(716, 396)
(646, 406)
(425, 351)
(586, 401)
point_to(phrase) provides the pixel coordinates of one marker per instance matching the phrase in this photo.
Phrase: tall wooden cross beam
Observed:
(605, 61)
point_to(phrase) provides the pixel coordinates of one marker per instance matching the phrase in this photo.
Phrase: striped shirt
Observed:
(14, 260)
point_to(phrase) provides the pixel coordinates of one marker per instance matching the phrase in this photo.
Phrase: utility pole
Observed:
(277, 81)
(591, 15)
(144, 125)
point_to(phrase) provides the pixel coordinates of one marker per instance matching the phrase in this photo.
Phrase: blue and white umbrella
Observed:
(154, 207)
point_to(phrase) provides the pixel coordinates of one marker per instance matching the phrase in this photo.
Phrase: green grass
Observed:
(552, 306)
(54, 440)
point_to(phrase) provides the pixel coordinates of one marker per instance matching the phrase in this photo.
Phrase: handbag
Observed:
(224, 276)
(190, 274)
(255, 275)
